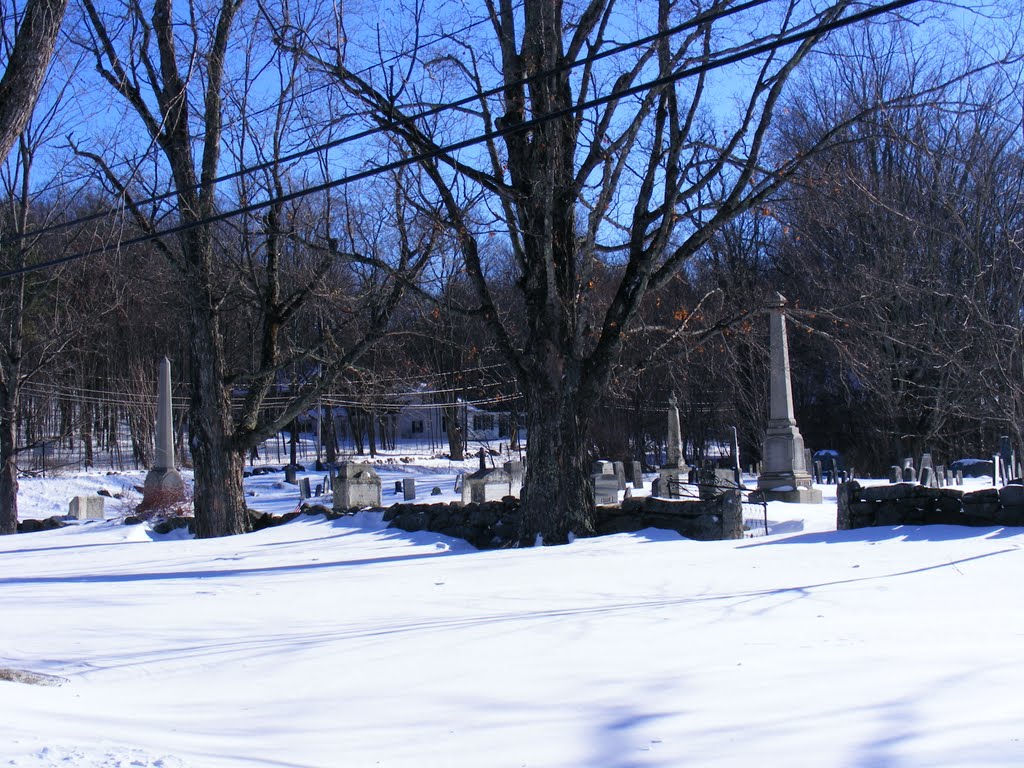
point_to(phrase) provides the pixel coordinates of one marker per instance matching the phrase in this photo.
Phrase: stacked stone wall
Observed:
(909, 504)
(495, 524)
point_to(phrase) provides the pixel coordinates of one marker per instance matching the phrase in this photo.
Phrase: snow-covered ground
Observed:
(342, 643)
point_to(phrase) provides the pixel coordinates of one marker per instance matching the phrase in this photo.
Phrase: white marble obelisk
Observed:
(784, 475)
(674, 475)
(163, 483)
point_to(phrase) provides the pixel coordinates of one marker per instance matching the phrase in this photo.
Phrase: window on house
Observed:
(417, 425)
(483, 422)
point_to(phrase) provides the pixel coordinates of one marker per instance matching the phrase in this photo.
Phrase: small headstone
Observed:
(319, 490)
(926, 461)
(398, 487)
(327, 483)
(409, 489)
(996, 476)
(940, 475)
(635, 473)
(927, 476)
(959, 477)
(86, 507)
(817, 472)
(908, 463)
(435, 491)
(606, 489)
(619, 470)
(304, 490)
(909, 474)
(290, 475)
(602, 467)
(656, 487)
(895, 474)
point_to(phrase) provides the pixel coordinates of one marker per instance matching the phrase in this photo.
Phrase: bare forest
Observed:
(562, 212)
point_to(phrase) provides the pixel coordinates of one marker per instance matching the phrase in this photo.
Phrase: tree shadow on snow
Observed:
(896, 532)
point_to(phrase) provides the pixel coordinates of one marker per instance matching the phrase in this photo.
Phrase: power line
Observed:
(465, 143)
(369, 132)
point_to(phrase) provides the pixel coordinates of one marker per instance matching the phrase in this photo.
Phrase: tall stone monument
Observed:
(674, 474)
(163, 483)
(784, 474)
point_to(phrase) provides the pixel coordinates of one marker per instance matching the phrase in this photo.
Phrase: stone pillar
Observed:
(674, 474)
(163, 483)
(784, 475)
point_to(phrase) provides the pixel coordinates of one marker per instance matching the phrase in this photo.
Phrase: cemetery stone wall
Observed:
(910, 504)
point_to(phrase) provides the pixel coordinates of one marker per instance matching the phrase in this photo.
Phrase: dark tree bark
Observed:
(26, 67)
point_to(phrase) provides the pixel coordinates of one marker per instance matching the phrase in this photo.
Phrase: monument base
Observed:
(674, 483)
(793, 496)
(792, 488)
(162, 487)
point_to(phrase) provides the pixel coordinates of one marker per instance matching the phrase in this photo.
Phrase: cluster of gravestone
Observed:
(926, 473)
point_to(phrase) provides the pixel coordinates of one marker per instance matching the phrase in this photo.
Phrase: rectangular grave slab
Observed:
(86, 507)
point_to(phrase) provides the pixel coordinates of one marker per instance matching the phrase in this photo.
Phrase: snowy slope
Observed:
(341, 643)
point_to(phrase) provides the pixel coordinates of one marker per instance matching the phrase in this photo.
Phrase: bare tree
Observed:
(584, 162)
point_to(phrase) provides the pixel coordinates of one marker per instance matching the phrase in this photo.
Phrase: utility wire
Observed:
(369, 132)
(486, 136)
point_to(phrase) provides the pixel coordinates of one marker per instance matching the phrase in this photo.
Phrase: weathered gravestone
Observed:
(895, 474)
(86, 507)
(619, 470)
(304, 488)
(356, 485)
(408, 489)
(606, 489)
(516, 476)
(635, 473)
(291, 475)
(485, 484)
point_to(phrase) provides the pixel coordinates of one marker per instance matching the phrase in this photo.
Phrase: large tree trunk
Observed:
(218, 499)
(8, 463)
(557, 498)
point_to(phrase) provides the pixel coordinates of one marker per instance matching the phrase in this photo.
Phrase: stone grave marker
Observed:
(291, 475)
(785, 475)
(409, 489)
(304, 489)
(895, 474)
(356, 485)
(675, 472)
(619, 470)
(606, 489)
(514, 469)
(485, 484)
(86, 507)
(163, 482)
(635, 473)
